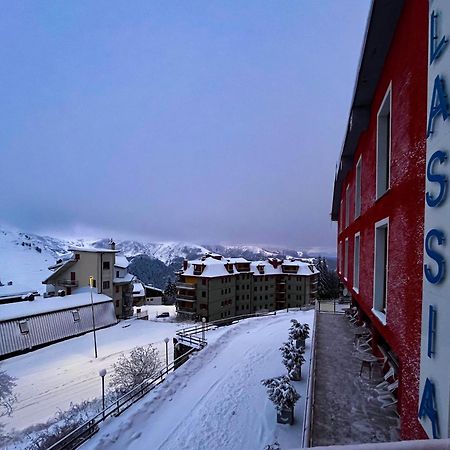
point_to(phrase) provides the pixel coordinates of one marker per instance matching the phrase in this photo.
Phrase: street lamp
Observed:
(166, 340)
(102, 373)
(91, 285)
(203, 328)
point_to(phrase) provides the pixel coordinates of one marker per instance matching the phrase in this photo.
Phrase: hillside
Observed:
(25, 257)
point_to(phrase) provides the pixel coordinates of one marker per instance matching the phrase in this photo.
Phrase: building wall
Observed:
(53, 326)
(405, 70)
(217, 298)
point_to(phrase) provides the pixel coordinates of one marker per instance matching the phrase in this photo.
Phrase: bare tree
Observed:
(7, 396)
(130, 371)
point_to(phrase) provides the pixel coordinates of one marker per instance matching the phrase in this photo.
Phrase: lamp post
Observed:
(166, 340)
(203, 328)
(91, 285)
(102, 373)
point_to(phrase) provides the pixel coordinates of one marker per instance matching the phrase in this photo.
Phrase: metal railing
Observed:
(80, 434)
(69, 283)
(310, 388)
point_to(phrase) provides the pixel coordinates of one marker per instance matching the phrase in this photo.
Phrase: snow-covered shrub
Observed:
(281, 392)
(42, 436)
(7, 396)
(298, 331)
(129, 371)
(274, 446)
(292, 359)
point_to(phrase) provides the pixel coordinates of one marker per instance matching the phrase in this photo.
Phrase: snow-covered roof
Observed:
(92, 250)
(59, 269)
(81, 297)
(149, 286)
(128, 278)
(216, 268)
(121, 262)
(138, 289)
(304, 269)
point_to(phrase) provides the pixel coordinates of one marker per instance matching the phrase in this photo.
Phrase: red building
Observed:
(379, 192)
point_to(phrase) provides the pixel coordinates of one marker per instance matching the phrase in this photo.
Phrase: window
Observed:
(117, 289)
(106, 265)
(384, 145)
(117, 274)
(380, 269)
(23, 326)
(358, 189)
(347, 206)
(203, 281)
(106, 285)
(356, 263)
(203, 294)
(76, 315)
(346, 259)
(77, 256)
(117, 303)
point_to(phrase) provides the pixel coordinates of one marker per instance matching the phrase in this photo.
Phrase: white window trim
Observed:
(377, 313)
(388, 92)
(340, 257)
(346, 259)
(347, 206)
(357, 235)
(359, 163)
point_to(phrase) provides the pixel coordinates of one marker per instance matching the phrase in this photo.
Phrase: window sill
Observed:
(381, 196)
(379, 315)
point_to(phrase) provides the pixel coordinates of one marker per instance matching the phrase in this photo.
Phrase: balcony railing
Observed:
(68, 283)
(180, 285)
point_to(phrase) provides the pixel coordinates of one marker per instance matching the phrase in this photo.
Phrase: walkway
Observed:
(346, 408)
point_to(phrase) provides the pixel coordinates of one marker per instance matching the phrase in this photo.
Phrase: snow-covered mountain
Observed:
(25, 257)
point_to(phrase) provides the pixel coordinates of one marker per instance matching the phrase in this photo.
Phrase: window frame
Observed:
(346, 259)
(358, 187)
(356, 261)
(381, 114)
(24, 327)
(377, 306)
(347, 206)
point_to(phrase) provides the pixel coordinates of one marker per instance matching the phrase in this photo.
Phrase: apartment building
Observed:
(390, 204)
(216, 287)
(111, 277)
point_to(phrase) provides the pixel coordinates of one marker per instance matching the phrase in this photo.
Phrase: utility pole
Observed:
(91, 284)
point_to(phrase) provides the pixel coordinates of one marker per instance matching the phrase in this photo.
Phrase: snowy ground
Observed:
(50, 378)
(346, 405)
(216, 400)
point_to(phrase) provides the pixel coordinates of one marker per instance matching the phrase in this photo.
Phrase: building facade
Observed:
(382, 200)
(111, 278)
(215, 287)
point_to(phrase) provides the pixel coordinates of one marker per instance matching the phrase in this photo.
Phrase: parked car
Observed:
(164, 314)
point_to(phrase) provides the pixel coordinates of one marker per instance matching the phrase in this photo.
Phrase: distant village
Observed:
(91, 288)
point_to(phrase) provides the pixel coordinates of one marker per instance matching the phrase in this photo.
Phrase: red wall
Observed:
(406, 69)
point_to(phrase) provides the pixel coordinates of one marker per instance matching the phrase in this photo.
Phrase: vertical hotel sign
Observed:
(434, 395)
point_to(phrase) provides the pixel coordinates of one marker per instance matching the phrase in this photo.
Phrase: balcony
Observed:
(188, 297)
(67, 283)
(189, 286)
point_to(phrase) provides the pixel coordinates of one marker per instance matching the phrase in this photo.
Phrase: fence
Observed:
(334, 306)
(310, 388)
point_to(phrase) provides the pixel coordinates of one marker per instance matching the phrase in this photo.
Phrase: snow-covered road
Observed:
(216, 400)
(51, 378)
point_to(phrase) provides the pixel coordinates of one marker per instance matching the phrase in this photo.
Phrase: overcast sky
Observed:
(202, 121)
